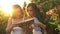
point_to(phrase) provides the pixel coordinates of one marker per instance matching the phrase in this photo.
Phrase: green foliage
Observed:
(3, 22)
(47, 5)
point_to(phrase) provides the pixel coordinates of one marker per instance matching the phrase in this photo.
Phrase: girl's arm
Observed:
(37, 22)
(9, 26)
(41, 25)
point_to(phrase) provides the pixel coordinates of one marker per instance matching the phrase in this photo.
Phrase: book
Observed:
(26, 22)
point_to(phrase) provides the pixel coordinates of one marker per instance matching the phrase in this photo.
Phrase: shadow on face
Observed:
(30, 10)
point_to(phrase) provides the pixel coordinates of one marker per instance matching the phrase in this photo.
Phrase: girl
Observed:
(34, 12)
(13, 22)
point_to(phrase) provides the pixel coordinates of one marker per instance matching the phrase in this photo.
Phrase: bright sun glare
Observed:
(6, 5)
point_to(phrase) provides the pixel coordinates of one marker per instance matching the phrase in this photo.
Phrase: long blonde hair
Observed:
(13, 13)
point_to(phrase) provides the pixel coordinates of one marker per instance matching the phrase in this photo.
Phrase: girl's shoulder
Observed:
(36, 19)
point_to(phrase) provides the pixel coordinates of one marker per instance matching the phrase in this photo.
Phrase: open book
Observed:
(26, 22)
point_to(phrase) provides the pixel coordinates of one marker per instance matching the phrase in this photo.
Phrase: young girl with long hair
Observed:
(14, 21)
(34, 12)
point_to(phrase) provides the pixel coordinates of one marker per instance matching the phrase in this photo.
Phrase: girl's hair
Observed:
(36, 10)
(16, 6)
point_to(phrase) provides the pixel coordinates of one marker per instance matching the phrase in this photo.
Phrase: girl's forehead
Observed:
(30, 8)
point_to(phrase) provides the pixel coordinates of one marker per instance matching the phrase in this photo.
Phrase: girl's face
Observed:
(30, 11)
(18, 12)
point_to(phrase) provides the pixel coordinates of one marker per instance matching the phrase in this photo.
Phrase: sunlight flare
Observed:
(6, 5)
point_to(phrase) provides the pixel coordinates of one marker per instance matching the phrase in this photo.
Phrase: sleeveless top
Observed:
(17, 30)
(25, 26)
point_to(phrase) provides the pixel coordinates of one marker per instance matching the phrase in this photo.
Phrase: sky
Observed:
(6, 5)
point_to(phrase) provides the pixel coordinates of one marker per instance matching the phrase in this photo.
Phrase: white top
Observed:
(17, 30)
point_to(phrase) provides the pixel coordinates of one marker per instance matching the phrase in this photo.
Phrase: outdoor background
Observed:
(49, 8)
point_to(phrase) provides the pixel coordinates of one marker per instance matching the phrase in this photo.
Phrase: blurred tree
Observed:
(3, 22)
(47, 5)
